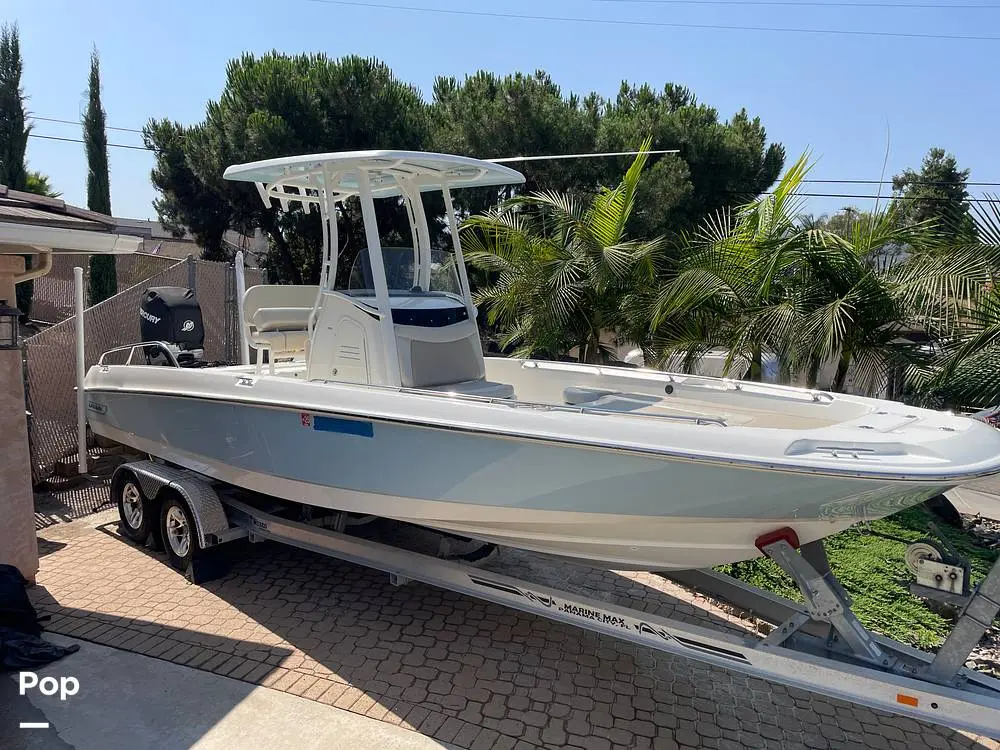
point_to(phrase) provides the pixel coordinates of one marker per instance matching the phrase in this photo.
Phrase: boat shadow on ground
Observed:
(437, 660)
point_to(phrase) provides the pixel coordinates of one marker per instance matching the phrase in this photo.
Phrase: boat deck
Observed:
(703, 400)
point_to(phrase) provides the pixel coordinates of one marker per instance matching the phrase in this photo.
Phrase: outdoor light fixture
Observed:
(8, 325)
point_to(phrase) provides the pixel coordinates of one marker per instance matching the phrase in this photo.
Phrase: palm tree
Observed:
(763, 279)
(559, 267)
(729, 287)
(957, 292)
(39, 184)
(812, 221)
(967, 374)
(861, 298)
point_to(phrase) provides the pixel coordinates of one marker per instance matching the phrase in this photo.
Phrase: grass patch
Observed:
(872, 570)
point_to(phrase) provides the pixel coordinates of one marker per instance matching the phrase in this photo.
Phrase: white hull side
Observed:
(613, 540)
(612, 488)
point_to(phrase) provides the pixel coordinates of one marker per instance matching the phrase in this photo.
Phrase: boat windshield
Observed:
(401, 272)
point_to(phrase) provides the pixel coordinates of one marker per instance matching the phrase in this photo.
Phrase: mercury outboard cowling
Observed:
(171, 314)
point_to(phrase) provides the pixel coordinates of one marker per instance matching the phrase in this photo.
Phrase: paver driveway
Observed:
(460, 670)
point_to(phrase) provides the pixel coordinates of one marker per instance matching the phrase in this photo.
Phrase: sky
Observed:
(865, 106)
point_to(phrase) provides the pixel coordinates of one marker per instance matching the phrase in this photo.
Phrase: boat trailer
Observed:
(820, 647)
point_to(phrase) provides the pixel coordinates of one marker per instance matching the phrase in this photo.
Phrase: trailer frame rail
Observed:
(800, 657)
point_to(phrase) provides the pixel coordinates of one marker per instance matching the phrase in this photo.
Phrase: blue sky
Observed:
(840, 96)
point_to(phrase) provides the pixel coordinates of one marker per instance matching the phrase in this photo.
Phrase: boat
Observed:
(375, 398)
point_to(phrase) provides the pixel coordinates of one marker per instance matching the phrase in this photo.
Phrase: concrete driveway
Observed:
(128, 701)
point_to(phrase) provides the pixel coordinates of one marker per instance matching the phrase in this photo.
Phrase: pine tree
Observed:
(103, 276)
(937, 193)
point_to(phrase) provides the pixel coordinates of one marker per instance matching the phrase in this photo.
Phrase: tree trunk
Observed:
(589, 351)
(103, 278)
(757, 365)
(814, 364)
(285, 257)
(845, 362)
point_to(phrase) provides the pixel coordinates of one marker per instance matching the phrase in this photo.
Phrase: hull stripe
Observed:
(343, 426)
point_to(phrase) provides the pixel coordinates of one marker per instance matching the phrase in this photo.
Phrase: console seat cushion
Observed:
(281, 318)
(280, 342)
(482, 388)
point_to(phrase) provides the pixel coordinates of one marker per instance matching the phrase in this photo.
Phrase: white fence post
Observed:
(81, 405)
(241, 288)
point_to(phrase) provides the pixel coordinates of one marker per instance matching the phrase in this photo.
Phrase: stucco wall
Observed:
(17, 511)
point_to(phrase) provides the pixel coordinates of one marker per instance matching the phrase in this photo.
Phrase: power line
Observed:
(806, 4)
(889, 182)
(538, 158)
(555, 157)
(654, 24)
(80, 122)
(80, 140)
(889, 197)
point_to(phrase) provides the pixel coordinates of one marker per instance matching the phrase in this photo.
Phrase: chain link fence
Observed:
(52, 301)
(50, 356)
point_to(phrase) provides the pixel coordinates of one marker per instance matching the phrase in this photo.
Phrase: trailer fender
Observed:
(201, 498)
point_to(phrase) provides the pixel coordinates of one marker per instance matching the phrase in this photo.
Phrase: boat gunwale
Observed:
(952, 478)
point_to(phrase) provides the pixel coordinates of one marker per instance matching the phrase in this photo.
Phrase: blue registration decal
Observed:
(343, 426)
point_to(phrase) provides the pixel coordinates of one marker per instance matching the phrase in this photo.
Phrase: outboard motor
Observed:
(171, 314)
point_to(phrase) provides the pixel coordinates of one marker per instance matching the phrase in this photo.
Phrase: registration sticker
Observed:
(322, 423)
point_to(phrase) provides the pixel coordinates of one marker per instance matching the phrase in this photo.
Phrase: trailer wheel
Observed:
(135, 510)
(177, 528)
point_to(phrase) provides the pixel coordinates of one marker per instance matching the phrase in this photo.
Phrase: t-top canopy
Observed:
(386, 171)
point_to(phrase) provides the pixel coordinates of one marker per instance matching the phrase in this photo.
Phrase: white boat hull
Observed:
(613, 508)
(624, 542)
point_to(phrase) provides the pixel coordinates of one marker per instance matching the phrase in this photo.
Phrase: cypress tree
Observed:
(14, 130)
(103, 277)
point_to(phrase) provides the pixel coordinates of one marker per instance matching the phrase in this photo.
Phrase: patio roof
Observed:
(28, 208)
(37, 224)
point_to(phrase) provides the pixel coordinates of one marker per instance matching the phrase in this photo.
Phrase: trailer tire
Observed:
(136, 512)
(180, 540)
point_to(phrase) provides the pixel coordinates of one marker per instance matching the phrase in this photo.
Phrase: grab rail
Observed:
(131, 349)
(676, 417)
